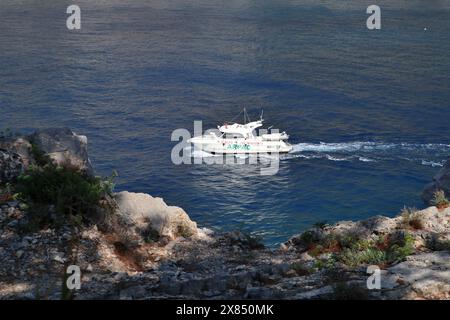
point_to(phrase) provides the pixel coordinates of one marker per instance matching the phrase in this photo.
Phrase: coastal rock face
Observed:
(144, 249)
(64, 147)
(221, 266)
(441, 181)
(11, 166)
(153, 217)
(434, 231)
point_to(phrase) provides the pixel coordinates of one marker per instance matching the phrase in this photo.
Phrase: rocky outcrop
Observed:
(441, 181)
(215, 266)
(422, 273)
(152, 217)
(64, 147)
(434, 228)
(61, 145)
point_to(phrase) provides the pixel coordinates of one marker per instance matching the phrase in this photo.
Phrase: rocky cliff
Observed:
(141, 248)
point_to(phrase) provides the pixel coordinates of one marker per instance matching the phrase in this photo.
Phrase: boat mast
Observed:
(246, 116)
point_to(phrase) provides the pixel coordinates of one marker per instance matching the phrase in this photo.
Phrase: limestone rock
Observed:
(315, 293)
(427, 275)
(145, 212)
(64, 147)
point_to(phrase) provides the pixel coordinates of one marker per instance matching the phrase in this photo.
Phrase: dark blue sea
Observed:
(368, 111)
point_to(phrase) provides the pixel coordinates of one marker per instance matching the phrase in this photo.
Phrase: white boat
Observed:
(242, 139)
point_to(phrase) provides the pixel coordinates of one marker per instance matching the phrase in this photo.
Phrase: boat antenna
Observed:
(235, 117)
(246, 116)
(262, 113)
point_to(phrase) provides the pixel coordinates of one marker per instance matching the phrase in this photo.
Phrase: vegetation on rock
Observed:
(411, 218)
(58, 194)
(439, 199)
(353, 252)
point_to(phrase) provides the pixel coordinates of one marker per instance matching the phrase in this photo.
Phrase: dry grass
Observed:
(411, 219)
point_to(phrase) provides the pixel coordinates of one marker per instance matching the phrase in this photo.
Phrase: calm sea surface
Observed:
(367, 111)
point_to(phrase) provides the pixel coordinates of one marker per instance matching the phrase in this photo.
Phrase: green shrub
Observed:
(439, 200)
(361, 252)
(378, 252)
(347, 240)
(56, 194)
(327, 264)
(39, 156)
(362, 245)
(354, 258)
(402, 248)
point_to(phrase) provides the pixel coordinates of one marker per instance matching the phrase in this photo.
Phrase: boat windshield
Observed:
(234, 136)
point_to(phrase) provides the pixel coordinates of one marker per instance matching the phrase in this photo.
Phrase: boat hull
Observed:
(229, 146)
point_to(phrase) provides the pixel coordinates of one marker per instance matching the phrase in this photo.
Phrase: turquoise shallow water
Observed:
(367, 111)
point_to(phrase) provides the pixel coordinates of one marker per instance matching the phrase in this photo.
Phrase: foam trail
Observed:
(365, 146)
(331, 158)
(432, 163)
(364, 159)
(431, 154)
